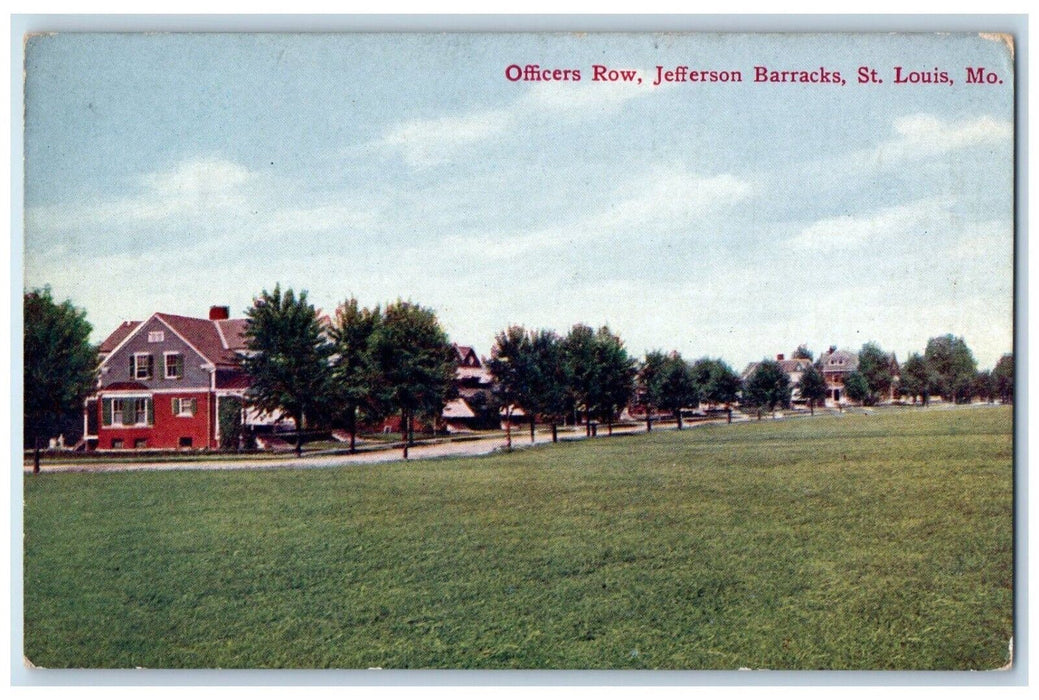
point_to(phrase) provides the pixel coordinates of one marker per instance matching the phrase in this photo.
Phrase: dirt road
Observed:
(481, 446)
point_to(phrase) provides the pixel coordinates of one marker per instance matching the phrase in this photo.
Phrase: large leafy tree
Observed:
(717, 383)
(578, 350)
(547, 390)
(601, 374)
(512, 365)
(649, 383)
(60, 366)
(875, 368)
(724, 386)
(616, 374)
(953, 365)
(917, 379)
(352, 373)
(530, 371)
(287, 359)
(413, 363)
(768, 387)
(1003, 375)
(803, 353)
(985, 385)
(857, 387)
(678, 387)
(702, 371)
(812, 387)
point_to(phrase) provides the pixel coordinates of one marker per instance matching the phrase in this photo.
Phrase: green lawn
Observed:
(854, 541)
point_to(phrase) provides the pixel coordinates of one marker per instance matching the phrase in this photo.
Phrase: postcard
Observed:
(551, 351)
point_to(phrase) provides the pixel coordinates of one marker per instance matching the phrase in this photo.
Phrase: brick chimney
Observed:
(779, 357)
(219, 313)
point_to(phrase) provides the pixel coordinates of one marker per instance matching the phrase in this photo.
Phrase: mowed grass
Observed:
(852, 542)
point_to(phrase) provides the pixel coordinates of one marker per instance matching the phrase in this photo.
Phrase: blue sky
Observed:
(171, 172)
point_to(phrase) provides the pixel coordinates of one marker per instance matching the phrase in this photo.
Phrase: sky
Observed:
(168, 172)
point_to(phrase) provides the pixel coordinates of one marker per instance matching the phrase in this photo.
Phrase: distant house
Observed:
(792, 368)
(474, 383)
(836, 366)
(162, 380)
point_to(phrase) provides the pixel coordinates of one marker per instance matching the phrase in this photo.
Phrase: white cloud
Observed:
(425, 142)
(422, 142)
(191, 187)
(989, 243)
(665, 199)
(319, 219)
(846, 232)
(571, 98)
(924, 135)
(670, 197)
(211, 193)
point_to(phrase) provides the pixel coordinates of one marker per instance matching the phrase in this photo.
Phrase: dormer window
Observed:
(156, 336)
(142, 366)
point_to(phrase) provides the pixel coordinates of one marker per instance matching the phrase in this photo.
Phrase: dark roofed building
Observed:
(792, 368)
(161, 382)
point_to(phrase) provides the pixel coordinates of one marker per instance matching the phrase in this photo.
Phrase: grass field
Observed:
(839, 542)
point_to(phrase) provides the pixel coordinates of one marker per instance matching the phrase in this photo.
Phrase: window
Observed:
(174, 365)
(156, 336)
(130, 411)
(117, 444)
(140, 443)
(115, 414)
(184, 442)
(184, 408)
(142, 365)
(140, 412)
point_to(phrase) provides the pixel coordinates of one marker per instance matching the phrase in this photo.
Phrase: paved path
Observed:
(480, 446)
(458, 448)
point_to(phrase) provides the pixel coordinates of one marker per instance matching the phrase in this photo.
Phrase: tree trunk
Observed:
(508, 428)
(587, 422)
(728, 413)
(36, 456)
(811, 406)
(555, 437)
(678, 414)
(609, 425)
(531, 428)
(299, 433)
(649, 419)
(404, 430)
(353, 429)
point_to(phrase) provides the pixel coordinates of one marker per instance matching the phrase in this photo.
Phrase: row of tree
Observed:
(373, 362)
(590, 372)
(946, 368)
(553, 377)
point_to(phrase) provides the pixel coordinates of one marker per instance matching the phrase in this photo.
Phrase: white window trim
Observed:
(166, 366)
(128, 401)
(120, 423)
(178, 406)
(156, 336)
(146, 399)
(137, 365)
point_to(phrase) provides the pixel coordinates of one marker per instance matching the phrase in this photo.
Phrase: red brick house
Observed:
(161, 382)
